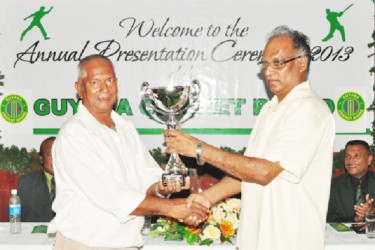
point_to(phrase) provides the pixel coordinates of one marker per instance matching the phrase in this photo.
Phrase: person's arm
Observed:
(29, 16)
(226, 187)
(49, 10)
(249, 169)
(245, 168)
(180, 209)
(175, 208)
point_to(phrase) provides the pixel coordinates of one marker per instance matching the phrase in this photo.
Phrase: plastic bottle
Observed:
(14, 212)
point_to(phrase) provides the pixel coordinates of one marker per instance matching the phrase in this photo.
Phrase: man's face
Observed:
(281, 81)
(357, 160)
(46, 158)
(98, 86)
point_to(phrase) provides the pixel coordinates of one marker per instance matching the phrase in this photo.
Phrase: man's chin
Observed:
(106, 104)
(351, 171)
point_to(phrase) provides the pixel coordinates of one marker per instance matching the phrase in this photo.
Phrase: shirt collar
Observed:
(355, 181)
(92, 123)
(48, 176)
(274, 102)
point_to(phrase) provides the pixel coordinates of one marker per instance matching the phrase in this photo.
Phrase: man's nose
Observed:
(268, 70)
(350, 160)
(103, 86)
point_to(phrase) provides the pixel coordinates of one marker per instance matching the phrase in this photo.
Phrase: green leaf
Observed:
(340, 227)
(176, 236)
(191, 238)
(180, 228)
(159, 224)
(225, 239)
(154, 234)
(40, 229)
(206, 242)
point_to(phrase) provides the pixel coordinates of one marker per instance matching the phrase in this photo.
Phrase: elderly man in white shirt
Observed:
(106, 179)
(284, 177)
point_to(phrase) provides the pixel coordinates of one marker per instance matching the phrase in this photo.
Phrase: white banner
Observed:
(217, 42)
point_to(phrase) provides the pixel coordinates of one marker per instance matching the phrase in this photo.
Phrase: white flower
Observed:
(160, 229)
(234, 203)
(233, 217)
(217, 215)
(211, 232)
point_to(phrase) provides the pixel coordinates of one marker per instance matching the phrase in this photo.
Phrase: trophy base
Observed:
(174, 177)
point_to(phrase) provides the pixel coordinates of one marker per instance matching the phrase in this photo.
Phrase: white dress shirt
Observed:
(290, 212)
(101, 176)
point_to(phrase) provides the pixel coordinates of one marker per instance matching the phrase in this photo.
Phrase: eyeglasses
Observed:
(276, 64)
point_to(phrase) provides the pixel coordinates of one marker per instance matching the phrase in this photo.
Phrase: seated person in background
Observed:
(352, 193)
(37, 189)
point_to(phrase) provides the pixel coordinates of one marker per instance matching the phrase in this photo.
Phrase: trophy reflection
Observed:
(172, 101)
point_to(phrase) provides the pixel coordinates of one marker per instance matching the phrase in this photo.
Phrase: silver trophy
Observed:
(172, 101)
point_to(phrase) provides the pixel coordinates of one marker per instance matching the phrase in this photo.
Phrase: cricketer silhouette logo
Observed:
(36, 22)
(333, 19)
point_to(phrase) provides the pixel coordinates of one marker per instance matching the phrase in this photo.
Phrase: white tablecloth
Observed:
(26, 240)
(39, 241)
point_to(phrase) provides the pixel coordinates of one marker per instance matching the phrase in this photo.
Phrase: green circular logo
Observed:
(351, 106)
(14, 108)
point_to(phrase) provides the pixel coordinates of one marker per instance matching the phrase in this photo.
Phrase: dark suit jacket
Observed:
(341, 201)
(35, 198)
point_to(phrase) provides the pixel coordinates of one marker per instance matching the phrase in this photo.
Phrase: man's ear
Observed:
(370, 159)
(302, 63)
(78, 87)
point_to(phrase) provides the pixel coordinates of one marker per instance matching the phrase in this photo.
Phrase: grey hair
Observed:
(82, 72)
(301, 42)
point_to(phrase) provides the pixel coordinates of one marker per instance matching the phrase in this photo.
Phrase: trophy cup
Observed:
(172, 101)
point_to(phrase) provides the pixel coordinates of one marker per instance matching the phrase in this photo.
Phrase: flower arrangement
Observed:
(220, 226)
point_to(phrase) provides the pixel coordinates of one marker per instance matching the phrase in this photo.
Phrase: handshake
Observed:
(191, 210)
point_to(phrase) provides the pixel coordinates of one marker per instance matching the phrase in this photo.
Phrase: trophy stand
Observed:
(175, 167)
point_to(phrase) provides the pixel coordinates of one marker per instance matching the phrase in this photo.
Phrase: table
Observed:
(347, 240)
(28, 241)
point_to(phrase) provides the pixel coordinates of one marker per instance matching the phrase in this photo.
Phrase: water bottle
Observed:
(147, 225)
(14, 212)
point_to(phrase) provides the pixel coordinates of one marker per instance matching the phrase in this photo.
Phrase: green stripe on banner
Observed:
(46, 131)
(158, 131)
(200, 131)
(150, 131)
(368, 132)
(218, 131)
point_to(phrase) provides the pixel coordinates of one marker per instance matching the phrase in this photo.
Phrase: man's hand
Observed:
(180, 143)
(181, 210)
(172, 187)
(199, 198)
(361, 210)
(192, 199)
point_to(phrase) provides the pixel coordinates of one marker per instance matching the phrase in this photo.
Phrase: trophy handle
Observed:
(147, 97)
(195, 89)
